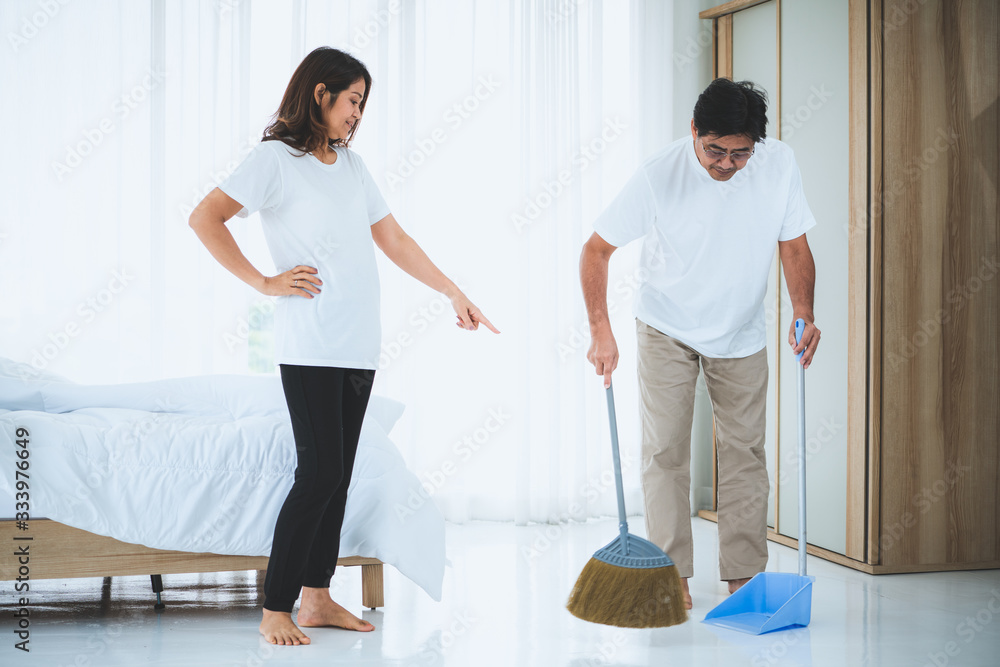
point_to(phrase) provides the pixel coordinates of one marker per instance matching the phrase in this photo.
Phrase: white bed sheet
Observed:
(202, 464)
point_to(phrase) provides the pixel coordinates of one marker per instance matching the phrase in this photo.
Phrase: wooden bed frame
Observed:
(58, 551)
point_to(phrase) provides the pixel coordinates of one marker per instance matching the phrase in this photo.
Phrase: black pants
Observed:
(327, 407)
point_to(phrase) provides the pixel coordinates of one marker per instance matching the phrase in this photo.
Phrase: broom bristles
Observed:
(628, 597)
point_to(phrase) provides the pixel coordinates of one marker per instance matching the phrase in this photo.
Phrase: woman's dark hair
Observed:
(299, 120)
(729, 107)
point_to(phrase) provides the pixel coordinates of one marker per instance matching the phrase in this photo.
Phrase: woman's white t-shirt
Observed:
(318, 215)
(708, 244)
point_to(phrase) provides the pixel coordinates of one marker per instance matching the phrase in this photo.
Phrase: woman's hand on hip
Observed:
(469, 315)
(299, 281)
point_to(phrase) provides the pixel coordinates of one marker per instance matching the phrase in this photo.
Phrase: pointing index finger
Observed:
(489, 325)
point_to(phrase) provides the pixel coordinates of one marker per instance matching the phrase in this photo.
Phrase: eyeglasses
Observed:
(737, 156)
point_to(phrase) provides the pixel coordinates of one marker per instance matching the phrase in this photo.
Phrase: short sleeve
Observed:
(256, 182)
(630, 215)
(798, 217)
(377, 208)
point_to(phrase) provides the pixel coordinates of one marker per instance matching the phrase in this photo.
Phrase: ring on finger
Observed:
(295, 283)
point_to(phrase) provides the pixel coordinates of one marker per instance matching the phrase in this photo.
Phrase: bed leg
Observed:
(371, 586)
(157, 588)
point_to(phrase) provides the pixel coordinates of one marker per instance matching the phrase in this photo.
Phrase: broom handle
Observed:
(800, 326)
(622, 523)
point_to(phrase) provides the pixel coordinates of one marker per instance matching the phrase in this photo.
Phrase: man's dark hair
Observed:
(729, 107)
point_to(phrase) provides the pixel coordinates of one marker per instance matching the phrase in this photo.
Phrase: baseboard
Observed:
(841, 559)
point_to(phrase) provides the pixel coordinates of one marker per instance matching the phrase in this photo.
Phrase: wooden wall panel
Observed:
(874, 206)
(857, 231)
(940, 358)
(724, 46)
(729, 8)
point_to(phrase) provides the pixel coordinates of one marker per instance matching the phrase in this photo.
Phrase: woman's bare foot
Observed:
(319, 610)
(736, 584)
(687, 594)
(278, 628)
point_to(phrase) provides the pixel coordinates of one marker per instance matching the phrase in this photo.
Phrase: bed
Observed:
(187, 475)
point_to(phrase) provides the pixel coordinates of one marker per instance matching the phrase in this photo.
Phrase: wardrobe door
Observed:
(755, 58)
(814, 93)
(798, 52)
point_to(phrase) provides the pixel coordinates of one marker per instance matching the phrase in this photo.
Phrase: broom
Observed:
(630, 583)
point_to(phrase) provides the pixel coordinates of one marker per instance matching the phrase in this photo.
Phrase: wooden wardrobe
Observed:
(921, 277)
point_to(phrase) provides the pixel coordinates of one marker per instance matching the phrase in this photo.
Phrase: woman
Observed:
(320, 211)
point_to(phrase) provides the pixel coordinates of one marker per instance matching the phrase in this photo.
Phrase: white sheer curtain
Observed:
(497, 129)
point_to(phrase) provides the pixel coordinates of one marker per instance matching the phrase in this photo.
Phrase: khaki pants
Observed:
(668, 372)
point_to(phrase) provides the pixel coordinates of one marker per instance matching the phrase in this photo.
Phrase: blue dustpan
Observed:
(768, 602)
(775, 600)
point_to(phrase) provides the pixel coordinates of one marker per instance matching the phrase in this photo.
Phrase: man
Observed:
(709, 209)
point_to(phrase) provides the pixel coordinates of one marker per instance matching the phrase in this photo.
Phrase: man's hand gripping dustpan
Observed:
(775, 600)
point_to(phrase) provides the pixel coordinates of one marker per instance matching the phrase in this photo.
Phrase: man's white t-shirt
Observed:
(707, 244)
(318, 215)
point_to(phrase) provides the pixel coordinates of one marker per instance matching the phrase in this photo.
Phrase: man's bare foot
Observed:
(687, 594)
(736, 584)
(319, 610)
(278, 628)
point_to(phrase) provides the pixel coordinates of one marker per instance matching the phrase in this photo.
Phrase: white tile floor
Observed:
(503, 605)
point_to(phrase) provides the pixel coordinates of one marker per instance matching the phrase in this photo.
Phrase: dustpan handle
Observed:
(800, 326)
(622, 523)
